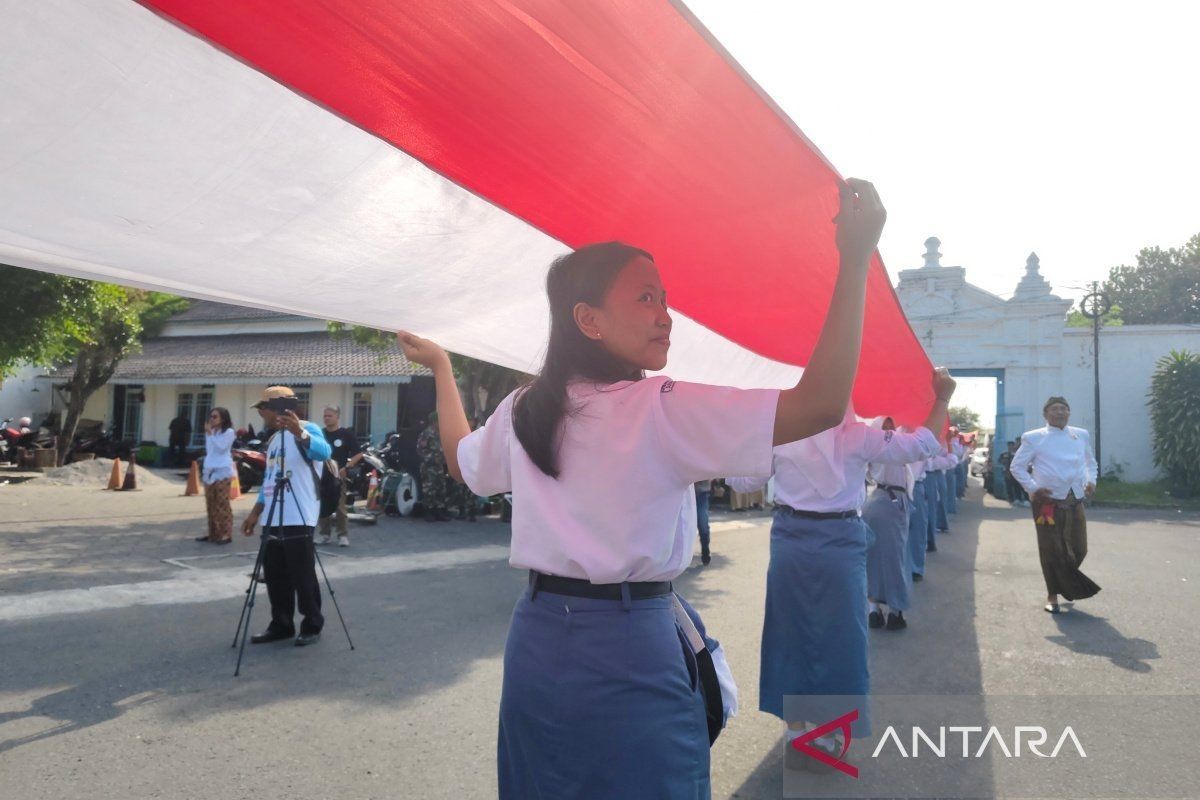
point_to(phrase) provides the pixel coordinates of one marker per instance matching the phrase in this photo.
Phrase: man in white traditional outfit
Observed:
(1056, 465)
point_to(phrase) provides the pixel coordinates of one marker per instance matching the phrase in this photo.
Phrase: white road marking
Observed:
(202, 586)
(737, 524)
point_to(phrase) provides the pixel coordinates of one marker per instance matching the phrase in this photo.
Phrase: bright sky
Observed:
(1066, 128)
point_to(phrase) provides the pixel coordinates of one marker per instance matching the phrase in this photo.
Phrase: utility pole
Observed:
(1094, 306)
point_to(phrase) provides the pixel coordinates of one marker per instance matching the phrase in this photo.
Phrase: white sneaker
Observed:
(343, 541)
(326, 539)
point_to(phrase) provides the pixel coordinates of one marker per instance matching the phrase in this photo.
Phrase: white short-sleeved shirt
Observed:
(623, 507)
(859, 444)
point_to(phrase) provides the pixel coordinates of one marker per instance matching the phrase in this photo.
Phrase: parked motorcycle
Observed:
(250, 459)
(9, 436)
(397, 488)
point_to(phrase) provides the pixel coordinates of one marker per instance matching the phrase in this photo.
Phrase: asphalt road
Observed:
(131, 694)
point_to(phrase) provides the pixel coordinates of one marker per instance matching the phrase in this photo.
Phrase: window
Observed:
(303, 400)
(129, 411)
(362, 415)
(195, 407)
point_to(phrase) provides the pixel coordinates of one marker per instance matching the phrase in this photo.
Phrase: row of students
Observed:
(600, 694)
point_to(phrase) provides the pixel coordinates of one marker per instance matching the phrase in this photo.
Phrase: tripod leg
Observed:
(246, 630)
(244, 617)
(333, 597)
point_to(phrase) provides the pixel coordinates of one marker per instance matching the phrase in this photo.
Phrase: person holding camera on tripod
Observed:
(296, 454)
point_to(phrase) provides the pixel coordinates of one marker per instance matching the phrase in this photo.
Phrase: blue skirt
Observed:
(940, 520)
(918, 524)
(600, 700)
(889, 567)
(815, 630)
(952, 490)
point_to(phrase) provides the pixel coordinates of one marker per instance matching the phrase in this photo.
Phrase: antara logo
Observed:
(803, 743)
(1037, 736)
(1032, 737)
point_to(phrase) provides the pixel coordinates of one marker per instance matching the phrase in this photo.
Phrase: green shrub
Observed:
(1175, 415)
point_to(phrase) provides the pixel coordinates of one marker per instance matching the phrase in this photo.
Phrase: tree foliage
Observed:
(476, 379)
(1175, 418)
(1076, 319)
(964, 418)
(91, 325)
(1163, 288)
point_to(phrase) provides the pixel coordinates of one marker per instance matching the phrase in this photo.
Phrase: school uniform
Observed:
(918, 520)
(600, 696)
(940, 464)
(889, 566)
(814, 639)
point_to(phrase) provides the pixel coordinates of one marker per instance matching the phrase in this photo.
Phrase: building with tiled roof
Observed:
(212, 354)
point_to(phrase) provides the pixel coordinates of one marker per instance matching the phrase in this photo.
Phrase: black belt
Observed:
(575, 587)
(799, 512)
(889, 488)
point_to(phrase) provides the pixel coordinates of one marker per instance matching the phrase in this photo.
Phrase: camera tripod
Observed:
(283, 483)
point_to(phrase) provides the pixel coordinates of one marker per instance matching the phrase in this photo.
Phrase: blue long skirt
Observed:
(889, 569)
(814, 639)
(943, 522)
(600, 700)
(952, 490)
(931, 501)
(918, 528)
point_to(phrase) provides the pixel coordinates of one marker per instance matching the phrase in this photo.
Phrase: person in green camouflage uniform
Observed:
(435, 483)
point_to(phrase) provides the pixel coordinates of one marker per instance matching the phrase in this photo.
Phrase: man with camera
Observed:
(295, 458)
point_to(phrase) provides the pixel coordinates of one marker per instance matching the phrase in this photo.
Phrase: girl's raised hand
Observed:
(859, 221)
(421, 351)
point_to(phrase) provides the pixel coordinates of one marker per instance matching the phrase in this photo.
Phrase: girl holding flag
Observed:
(601, 694)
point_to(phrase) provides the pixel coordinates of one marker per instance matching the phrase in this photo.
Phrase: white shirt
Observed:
(1062, 461)
(301, 505)
(892, 475)
(218, 461)
(941, 461)
(918, 470)
(798, 480)
(623, 507)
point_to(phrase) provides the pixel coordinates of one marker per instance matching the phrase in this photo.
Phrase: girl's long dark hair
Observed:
(583, 276)
(226, 421)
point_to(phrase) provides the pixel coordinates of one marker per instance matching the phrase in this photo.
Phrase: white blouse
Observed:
(798, 481)
(218, 461)
(623, 507)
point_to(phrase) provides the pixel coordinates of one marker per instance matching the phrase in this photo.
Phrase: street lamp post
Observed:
(1094, 306)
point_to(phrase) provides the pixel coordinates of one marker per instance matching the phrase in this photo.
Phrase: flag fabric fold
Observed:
(419, 164)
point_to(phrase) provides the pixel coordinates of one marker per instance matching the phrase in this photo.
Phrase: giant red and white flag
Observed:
(418, 163)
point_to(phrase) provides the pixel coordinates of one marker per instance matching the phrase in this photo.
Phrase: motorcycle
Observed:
(397, 488)
(250, 459)
(9, 436)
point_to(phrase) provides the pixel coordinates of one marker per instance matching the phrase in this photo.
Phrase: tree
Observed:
(1076, 319)
(1163, 288)
(964, 418)
(92, 325)
(476, 379)
(1175, 419)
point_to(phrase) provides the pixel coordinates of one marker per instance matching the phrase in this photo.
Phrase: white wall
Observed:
(18, 398)
(1127, 361)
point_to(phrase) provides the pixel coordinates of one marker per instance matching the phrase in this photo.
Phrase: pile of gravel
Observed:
(95, 473)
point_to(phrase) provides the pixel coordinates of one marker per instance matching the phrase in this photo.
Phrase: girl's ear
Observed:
(586, 318)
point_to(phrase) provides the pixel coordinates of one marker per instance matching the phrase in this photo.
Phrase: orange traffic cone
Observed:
(114, 478)
(235, 488)
(130, 484)
(193, 483)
